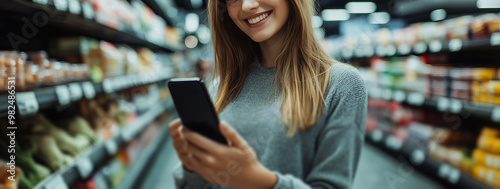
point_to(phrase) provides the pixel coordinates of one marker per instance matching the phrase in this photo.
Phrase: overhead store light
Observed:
(192, 22)
(361, 7)
(379, 18)
(488, 4)
(335, 15)
(438, 14)
(317, 22)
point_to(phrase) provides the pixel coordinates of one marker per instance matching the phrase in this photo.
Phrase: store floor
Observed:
(376, 170)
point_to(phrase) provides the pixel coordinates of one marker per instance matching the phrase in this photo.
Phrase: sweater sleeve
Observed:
(340, 142)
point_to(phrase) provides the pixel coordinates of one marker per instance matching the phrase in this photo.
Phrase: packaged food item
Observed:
(33, 74)
(3, 73)
(20, 62)
(487, 175)
(10, 67)
(488, 131)
(489, 144)
(484, 73)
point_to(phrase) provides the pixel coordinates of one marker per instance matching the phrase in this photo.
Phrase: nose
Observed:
(249, 5)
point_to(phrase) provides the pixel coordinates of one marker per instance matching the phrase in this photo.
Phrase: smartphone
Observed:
(196, 110)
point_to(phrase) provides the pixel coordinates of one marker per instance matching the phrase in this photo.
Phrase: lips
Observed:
(257, 18)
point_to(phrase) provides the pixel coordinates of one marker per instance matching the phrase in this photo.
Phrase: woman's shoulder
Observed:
(345, 81)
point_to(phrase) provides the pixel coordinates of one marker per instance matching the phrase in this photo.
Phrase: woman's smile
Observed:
(257, 19)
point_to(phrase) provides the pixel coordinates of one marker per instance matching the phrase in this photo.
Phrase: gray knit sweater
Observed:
(323, 156)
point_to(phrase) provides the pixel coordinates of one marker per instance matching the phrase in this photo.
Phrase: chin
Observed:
(259, 38)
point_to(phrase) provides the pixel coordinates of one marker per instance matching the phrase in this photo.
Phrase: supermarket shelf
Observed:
(78, 24)
(29, 103)
(141, 167)
(91, 159)
(158, 10)
(417, 158)
(435, 46)
(476, 109)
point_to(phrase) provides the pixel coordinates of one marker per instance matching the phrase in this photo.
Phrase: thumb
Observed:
(231, 135)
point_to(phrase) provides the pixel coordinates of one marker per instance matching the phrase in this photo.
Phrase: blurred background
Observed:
(84, 102)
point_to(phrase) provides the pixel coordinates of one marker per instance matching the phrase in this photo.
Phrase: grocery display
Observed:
(84, 98)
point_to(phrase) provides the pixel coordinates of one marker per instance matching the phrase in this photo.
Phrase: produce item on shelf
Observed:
(49, 151)
(5, 181)
(3, 71)
(132, 64)
(487, 175)
(32, 172)
(67, 143)
(20, 63)
(79, 126)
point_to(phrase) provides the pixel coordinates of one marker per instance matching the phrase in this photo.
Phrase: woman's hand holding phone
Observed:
(234, 165)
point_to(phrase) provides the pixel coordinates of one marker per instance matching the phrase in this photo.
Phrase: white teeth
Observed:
(258, 19)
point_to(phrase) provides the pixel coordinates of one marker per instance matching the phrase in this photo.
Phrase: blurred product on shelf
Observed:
(413, 74)
(486, 157)
(402, 39)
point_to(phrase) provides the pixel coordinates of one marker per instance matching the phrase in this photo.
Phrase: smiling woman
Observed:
(294, 117)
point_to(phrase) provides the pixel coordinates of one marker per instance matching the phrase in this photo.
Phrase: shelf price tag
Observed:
(443, 104)
(377, 135)
(444, 170)
(76, 91)
(88, 11)
(111, 146)
(63, 94)
(404, 49)
(393, 143)
(74, 7)
(417, 157)
(380, 50)
(26, 103)
(435, 46)
(416, 99)
(399, 96)
(455, 106)
(455, 45)
(88, 90)
(107, 85)
(61, 5)
(420, 48)
(495, 114)
(85, 167)
(454, 176)
(57, 183)
(495, 39)
(43, 2)
(390, 50)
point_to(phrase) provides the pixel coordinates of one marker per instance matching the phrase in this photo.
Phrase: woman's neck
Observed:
(271, 48)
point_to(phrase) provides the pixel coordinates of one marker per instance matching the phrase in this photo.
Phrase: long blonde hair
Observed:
(302, 67)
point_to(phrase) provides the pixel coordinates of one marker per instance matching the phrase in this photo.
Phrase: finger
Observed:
(174, 125)
(232, 135)
(200, 168)
(205, 157)
(204, 143)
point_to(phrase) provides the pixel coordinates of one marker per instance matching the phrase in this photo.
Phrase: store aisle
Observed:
(375, 166)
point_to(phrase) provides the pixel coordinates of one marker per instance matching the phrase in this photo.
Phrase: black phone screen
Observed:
(196, 110)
